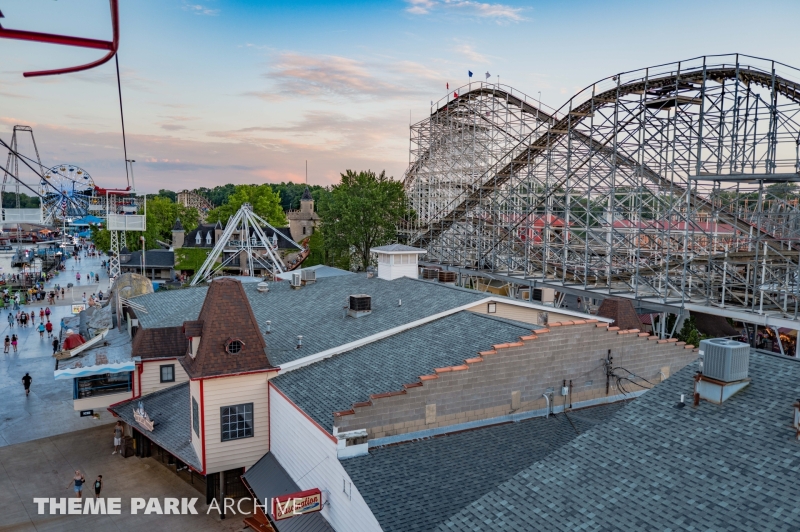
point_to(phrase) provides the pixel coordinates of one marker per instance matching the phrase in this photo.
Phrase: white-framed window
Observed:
(167, 373)
(492, 308)
(237, 421)
(197, 238)
(208, 238)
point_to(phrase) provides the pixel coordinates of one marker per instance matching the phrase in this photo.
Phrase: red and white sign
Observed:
(302, 502)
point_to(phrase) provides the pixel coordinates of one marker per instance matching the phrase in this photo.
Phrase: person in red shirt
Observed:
(49, 328)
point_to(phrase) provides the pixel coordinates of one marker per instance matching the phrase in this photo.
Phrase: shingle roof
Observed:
(316, 311)
(656, 467)
(268, 479)
(413, 487)
(334, 384)
(621, 311)
(307, 195)
(226, 316)
(153, 258)
(169, 409)
(159, 343)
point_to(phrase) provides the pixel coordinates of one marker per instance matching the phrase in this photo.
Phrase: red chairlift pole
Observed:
(66, 40)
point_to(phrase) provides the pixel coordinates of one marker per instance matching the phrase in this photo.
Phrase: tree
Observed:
(264, 201)
(361, 212)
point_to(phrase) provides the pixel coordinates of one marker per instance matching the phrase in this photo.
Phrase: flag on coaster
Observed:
(455, 95)
(448, 86)
(488, 75)
(470, 73)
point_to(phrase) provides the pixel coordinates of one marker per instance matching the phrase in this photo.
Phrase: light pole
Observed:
(133, 183)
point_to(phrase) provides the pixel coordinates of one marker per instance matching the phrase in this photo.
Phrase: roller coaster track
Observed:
(526, 150)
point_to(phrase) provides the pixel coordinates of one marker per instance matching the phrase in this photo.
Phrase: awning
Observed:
(268, 479)
(100, 369)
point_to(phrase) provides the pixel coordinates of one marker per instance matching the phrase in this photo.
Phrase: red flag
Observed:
(455, 95)
(448, 86)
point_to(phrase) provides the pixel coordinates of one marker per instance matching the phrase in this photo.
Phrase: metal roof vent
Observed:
(359, 305)
(725, 360)
(262, 287)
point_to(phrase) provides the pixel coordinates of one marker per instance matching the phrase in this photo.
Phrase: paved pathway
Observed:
(48, 410)
(42, 468)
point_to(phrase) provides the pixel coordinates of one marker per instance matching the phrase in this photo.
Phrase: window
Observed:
(197, 238)
(492, 308)
(237, 421)
(208, 238)
(234, 346)
(168, 373)
(105, 384)
(304, 230)
(195, 416)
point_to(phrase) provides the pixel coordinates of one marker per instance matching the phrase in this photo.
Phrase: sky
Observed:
(244, 91)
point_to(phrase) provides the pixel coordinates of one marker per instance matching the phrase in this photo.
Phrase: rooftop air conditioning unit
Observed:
(447, 277)
(308, 276)
(359, 305)
(430, 273)
(725, 360)
(295, 281)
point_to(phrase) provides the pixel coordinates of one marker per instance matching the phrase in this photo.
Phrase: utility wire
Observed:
(122, 119)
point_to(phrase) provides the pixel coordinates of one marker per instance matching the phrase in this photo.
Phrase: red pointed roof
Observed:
(226, 316)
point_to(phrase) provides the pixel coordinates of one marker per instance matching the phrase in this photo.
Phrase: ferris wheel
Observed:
(66, 191)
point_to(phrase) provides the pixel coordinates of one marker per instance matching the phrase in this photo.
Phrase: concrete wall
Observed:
(308, 454)
(229, 391)
(524, 314)
(151, 374)
(511, 378)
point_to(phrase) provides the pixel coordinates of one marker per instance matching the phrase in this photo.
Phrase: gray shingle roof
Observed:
(334, 384)
(413, 487)
(268, 479)
(316, 311)
(655, 467)
(170, 410)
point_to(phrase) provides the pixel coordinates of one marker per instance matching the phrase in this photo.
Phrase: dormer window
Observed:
(208, 238)
(234, 346)
(197, 239)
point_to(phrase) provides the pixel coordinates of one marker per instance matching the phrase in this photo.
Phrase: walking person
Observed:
(56, 345)
(118, 438)
(26, 382)
(47, 312)
(78, 480)
(33, 318)
(41, 329)
(6, 344)
(98, 485)
(49, 328)
(41, 315)
(10, 320)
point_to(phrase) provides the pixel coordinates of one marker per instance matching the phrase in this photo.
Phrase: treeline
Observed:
(290, 193)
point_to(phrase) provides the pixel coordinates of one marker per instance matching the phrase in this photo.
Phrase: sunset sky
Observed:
(246, 91)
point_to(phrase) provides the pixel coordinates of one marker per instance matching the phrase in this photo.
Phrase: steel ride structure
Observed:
(671, 185)
(69, 196)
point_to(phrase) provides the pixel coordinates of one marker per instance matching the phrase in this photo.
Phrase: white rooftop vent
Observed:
(725, 360)
(262, 287)
(359, 305)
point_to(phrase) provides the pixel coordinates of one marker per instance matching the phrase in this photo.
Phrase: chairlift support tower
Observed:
(122, 215)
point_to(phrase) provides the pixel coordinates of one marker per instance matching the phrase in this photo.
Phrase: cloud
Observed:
(298, 75)
(467, 51)
(198, 9)
(500, 13)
